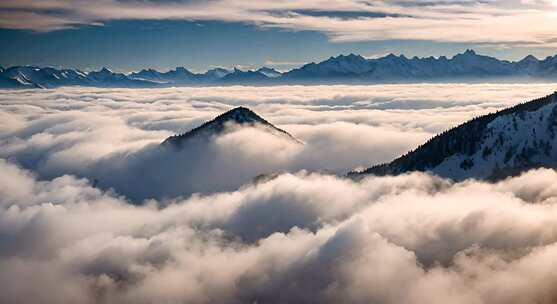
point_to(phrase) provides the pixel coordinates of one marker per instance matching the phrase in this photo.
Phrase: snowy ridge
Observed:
(468, 66)
(241, 77)
(269, 72)
(400, 68)
(493, 146)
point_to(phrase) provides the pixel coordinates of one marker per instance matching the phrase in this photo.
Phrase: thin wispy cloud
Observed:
(479, 22)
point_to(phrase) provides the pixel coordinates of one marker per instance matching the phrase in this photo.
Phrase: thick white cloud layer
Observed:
(112, 136)
(296, 237)
(469, 21)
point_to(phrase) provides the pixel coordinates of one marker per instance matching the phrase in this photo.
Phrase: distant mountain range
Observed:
(490, 147)
(468, 66)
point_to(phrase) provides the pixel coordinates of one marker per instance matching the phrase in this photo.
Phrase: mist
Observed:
(112, 136)
(296, 238)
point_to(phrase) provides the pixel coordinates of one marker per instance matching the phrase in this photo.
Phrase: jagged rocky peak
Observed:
(105, 70)
(101, 74)
(217, 72)
(353, 56)
(492, 146)
(470, 52)
(240, 116)
(269, 72)
(348, 58)
(145, 72)
(529, 58)
(390, 56)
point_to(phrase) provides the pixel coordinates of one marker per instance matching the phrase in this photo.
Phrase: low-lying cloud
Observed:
(75, 228)
(296, 238)
(112, 136)
(106, 134)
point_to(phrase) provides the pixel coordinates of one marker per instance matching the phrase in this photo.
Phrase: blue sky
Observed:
(130, 45)
(166, 34)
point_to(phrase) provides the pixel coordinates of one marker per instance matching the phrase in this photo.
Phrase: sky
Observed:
(130, 35)
(93, 209)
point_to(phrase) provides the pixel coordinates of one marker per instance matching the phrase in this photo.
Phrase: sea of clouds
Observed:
(92, 212)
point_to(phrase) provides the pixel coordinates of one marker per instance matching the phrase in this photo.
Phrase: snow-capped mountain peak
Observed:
(182, 70)
(105, 70)
(269, 72)
(217, 73)
(466, 66)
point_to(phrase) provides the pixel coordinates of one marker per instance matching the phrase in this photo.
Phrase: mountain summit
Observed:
(197, 162)
(490, 147)
(240, 116)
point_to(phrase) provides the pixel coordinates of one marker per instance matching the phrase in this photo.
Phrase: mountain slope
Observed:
(269, 72)
(37, 77)
(221, 155)
(213, 74)
(488, 147)
(240, 116)
(180, 75)
(240, 77)
(107, 78)
(334, 67)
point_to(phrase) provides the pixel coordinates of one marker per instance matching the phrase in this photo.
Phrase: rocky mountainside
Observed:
(493, 146)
